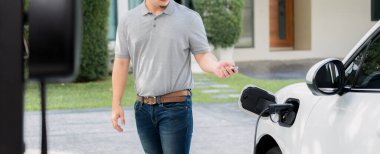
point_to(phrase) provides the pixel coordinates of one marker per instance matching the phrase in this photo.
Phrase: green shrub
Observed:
(222, 20)
(94, 56)
(26, 5)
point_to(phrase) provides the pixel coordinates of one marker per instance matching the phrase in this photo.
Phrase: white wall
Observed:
(339, 24)
(336, 26)
(302, 24)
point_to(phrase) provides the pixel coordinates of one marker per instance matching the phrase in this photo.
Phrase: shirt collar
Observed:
(169, 10)
(143, 9)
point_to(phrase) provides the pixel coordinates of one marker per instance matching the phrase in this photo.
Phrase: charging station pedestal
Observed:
(55, 43)
(11, 77)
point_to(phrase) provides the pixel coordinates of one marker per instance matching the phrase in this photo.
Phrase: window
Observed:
(369, 73)
(375, 10)
(112, 20)
(246, 37)
(133, 3)
(353, 68)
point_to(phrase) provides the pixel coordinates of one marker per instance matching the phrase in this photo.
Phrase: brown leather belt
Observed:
(177, 96)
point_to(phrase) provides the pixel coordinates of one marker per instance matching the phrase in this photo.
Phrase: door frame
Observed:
(281, 37)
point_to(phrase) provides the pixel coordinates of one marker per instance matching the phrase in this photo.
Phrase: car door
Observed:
(349, 123)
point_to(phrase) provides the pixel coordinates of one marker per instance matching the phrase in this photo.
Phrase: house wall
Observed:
(302, 24)
(323, 28)
(339, 24)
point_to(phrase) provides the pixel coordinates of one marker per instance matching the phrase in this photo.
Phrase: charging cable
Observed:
(271, 109)
(43, 117)
(257, 124)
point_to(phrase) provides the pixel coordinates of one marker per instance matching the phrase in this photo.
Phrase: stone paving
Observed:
(295, 69)
(218, 129)
(215, 90)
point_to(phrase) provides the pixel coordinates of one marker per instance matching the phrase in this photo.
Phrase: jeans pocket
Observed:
(137, 106)
(176, 106)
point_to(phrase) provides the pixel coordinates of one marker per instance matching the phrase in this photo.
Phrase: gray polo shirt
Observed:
(160, 47)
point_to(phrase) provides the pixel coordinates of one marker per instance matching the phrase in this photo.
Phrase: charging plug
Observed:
(279, 108)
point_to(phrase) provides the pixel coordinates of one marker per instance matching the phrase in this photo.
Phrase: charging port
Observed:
(287, 118)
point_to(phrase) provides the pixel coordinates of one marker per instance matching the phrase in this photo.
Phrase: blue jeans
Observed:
(165, 128)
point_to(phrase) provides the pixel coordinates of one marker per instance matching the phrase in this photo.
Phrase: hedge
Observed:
(94, 56)
(222, 20)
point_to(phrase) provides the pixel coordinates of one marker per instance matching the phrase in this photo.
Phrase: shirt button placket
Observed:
(154, 22)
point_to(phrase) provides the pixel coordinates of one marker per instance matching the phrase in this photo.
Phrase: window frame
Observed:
(133, 3)
(113, 13)
(252, 22)
(366, 44)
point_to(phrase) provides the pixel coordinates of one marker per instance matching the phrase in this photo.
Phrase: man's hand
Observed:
(208, 62)
(117, 112)
(224, 69)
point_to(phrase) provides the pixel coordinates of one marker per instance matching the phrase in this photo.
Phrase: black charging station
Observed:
(262, 103)
(55, 38)
(54, 49)
(11, 77)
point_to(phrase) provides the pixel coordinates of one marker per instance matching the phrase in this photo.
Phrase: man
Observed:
(158, 37)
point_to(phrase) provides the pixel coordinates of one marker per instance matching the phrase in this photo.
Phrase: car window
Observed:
(353, 68)
(369, 73)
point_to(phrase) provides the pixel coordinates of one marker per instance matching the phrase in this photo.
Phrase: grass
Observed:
(76, 95)
(236, 82)
(99, 94)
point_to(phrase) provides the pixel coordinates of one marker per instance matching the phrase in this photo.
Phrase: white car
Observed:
(337, 110)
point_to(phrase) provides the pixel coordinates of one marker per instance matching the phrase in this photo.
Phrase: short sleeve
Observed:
(197, 36)
(121, 44)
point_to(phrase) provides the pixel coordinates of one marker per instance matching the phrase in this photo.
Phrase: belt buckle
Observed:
(150, 103)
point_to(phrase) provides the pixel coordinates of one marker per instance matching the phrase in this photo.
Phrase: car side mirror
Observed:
(326, 77)
(255, 100)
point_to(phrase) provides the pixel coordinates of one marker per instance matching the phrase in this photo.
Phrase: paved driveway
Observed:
(218, 129)
(293, 69)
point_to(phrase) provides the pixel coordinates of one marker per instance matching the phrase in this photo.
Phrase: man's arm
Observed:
(119, 80)
(209, 63)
